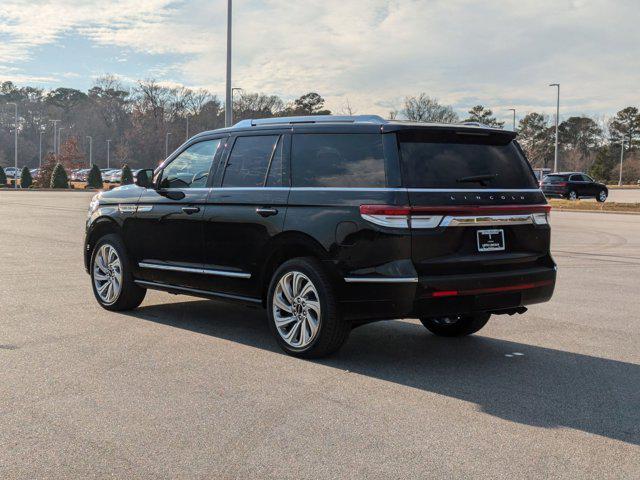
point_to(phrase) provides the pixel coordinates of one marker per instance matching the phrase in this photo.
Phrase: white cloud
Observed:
(371, 52)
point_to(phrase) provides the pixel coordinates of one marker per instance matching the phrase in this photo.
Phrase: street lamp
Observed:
(59, 138)
(621, 159)
(166, 145)
(514, 118)
(187, 134)
(90, 150)
(108, 144)
(555, 155)
(55, 135)
(228, 109)
(40, 155)
(15, 145)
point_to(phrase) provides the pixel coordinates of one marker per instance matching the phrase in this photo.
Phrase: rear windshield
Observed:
(457, 161)
(555, 178)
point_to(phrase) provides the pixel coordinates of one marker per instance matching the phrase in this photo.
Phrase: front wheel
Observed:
(456, 325)
(303, 310)
(602, 196)
(111, 277)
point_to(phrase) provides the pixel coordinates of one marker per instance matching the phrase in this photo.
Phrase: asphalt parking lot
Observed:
(186, 388)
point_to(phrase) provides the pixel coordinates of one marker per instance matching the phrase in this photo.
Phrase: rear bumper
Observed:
(441, 295)
(555, 192)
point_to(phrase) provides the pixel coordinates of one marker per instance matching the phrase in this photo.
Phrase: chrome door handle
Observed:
(266, 211)
(190, 210)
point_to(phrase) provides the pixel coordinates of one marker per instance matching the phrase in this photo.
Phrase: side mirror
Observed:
(144, 178)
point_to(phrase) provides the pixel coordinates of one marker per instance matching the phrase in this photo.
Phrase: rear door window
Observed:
(455, 160)
(338, 160)
(249, 161)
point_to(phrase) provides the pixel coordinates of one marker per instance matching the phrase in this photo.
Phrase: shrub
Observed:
(94, 179)
(59, 178)
(127, 176)
(26, 180)
(3, 177)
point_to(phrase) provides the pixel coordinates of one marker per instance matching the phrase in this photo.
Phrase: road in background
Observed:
(183, 387)
(623, 195)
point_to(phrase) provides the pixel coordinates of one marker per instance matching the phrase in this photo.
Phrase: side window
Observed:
(586, 178)
(275, 175)
(191, 168)
(338, 160)
(249, 160)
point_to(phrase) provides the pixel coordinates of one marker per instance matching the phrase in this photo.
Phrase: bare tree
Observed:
(427, 109)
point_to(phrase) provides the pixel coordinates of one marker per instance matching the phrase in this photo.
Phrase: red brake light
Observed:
(386, 210)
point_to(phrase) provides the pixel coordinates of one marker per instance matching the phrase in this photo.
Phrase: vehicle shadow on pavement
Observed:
(518, 382)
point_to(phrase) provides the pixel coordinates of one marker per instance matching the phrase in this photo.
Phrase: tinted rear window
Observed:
(338, 160)
(555, 178)
(453, 160)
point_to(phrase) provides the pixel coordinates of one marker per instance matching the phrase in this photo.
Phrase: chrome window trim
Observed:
(381, 280)
(204, 271)
(380, 189)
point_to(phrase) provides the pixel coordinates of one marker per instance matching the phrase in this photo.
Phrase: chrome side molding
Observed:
(203, 271)
(381, 280)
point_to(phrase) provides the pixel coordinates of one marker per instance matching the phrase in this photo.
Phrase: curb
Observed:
(557, 209)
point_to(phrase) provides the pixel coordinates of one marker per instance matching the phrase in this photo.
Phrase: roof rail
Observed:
(375, 119)
(475, 124)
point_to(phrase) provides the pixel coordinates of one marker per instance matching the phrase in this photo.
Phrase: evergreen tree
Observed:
(59, 178)
(602, 167)
(26, 180)
(3, 177)
(127, 176)
(484, 116)
(94, 179)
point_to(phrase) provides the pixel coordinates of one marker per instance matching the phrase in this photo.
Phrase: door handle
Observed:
(266, 211)
(190, 210)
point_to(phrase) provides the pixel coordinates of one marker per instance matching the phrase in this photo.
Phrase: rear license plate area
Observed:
(491, 240)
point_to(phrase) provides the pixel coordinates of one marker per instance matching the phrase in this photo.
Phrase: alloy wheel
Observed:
(573, 195)
(602, 196)
(296, 309)
(107, 274)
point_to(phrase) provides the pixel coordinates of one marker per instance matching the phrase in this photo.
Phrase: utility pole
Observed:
(90, 150)
(15, 145)
(166, 145)
(59, 138)
(108, 144)
(555, 155)
(228, 108)
(187, 128)
(621, 159)
(55, 136)
(514, 118)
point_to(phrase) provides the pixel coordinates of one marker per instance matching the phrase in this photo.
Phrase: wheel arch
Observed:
(288, 245)
(99, 228)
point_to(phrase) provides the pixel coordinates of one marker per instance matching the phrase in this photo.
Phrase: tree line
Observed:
(145, 121)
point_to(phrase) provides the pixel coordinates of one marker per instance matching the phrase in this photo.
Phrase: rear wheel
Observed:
(111, 277)
(602, 196)
(303, 310)
(572, 195)
(456, 325)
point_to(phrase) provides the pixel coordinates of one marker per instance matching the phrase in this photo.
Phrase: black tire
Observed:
(332, 329)
(569, 195)
(462, 325)
(602, 196)
(131, 295)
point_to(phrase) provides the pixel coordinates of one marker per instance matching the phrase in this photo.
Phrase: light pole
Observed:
(621, 159)
(187, 117)
(166, 145)
(40, 155)
(55, 135)
(15, 145)
(555, 155)
(59, 138)
(90, 150)
(108, 144)
(228, 109)
(514, 118)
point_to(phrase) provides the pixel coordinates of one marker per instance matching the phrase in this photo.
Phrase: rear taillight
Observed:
(386, 215)
(560, 184)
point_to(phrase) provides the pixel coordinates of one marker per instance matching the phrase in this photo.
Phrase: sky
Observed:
(368, 54)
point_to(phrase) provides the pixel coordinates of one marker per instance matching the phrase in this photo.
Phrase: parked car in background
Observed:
(114, 176)
(330, 223)
(106, 174)
(10, 172)
(573, 185)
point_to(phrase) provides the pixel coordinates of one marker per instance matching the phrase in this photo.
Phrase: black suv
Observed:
(330, 223)
(573, 185)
